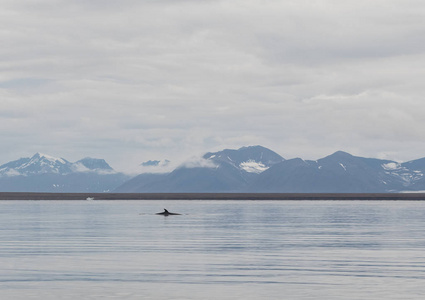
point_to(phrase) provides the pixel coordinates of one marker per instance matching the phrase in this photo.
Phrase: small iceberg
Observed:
(90, 198)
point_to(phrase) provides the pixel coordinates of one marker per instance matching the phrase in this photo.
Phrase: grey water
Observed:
(214, 250)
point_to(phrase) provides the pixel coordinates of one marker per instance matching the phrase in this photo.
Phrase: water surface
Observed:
(215, 250)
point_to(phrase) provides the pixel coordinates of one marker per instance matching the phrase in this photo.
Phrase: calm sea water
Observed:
(215, 250)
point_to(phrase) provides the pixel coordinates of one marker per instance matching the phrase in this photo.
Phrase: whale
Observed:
(167, 213)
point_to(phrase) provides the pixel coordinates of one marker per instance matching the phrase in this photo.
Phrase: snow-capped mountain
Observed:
(46, 164)
(248, 169)
(38, 164)
(339, 172)
(253, 159)
(45, 173)
(96, 165)
(258, 169)
(228, 170)
(413, 174)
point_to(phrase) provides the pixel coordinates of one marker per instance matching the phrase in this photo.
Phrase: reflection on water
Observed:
(215, 250)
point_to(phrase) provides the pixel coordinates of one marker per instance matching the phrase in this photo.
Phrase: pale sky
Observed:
(131, 81)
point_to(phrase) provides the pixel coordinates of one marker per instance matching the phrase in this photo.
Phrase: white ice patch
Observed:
(345, 169)
(407, 176)
(252, 166)
(232, 162)
(391, 166)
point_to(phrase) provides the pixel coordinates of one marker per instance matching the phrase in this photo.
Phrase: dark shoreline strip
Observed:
(212, 196)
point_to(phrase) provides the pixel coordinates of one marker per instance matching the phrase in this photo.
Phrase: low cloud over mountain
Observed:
(258, 169)
(248, 169)
(44, 173)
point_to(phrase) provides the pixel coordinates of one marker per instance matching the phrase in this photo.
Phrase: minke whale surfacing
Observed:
(167, 213)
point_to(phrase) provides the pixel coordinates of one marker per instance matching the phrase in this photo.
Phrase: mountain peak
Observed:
(41, 163)
(341, 153)
(251, 159)
(50, 158)
(38, 164)
(254, 147)
(92, 164)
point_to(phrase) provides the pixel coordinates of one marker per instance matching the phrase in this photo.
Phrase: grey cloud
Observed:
(23, 83)
(131, 79)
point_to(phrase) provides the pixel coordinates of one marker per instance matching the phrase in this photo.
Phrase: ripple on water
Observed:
(217, 249)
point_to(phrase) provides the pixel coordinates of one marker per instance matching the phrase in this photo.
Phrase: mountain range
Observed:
(258, 169)
(44, 173)
(248, 169)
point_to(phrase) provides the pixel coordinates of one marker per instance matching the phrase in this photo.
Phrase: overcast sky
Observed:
(130, 81)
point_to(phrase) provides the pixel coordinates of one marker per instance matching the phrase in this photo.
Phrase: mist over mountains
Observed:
(258, 169)
(44, 173)
(248, 169)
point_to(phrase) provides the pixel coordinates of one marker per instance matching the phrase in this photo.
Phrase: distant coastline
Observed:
(211, 196)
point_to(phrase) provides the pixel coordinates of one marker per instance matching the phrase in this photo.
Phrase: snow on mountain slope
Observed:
(253, 159)
(406, 175)
(252, 166)
(45, 173)
(37, 164)
(46, 164)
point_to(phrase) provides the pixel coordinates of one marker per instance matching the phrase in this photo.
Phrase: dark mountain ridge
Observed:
(227, 170)
(253, 169)
(44, 173)
(258, 169)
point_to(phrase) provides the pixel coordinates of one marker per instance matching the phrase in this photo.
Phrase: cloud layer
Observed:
(130, 81)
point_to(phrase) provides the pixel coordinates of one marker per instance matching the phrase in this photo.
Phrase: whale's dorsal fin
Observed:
(166, 213)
